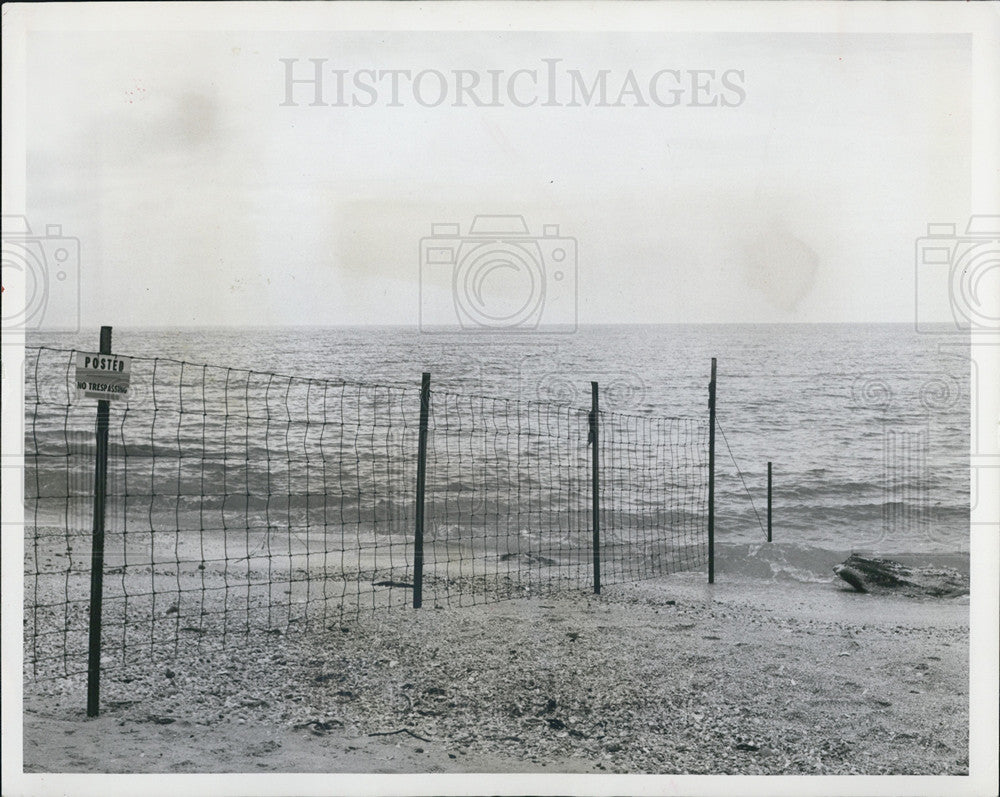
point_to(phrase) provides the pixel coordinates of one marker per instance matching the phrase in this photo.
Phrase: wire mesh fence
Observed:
(653, 496)
(241, 502)
(507, 506)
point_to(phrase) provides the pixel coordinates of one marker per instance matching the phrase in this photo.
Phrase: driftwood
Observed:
(401, 730)
(869, 574)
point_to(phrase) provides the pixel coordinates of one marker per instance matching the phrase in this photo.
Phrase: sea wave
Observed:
(804, 563)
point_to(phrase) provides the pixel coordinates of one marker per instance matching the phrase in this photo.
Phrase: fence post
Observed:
(711, 477)
(97, 549)
(595, 487)
(768, 501)
(418, 541)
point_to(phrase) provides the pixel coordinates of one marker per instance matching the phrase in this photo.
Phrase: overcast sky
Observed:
(199, 197)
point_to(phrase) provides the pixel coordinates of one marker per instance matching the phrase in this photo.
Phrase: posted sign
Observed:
(102, 376)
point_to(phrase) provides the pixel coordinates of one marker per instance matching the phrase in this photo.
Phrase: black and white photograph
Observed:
(518, 398)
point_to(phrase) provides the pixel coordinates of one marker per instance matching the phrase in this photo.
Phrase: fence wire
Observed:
(241, 502)
(507, 504)
(654, 496)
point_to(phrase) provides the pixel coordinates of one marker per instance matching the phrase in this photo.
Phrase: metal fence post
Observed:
(768, 501)
(97, 549)
(418, 541)
(595, 486)
(711, 477)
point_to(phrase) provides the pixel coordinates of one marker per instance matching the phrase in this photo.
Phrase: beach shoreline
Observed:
(671, 675)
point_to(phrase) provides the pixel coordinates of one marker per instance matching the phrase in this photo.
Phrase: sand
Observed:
(671, 675)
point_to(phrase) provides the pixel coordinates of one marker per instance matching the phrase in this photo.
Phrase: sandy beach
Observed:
(671, 675)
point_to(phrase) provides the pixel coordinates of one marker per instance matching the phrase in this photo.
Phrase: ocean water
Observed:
(867, 426)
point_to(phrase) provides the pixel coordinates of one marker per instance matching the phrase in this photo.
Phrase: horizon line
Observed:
(513, 331)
